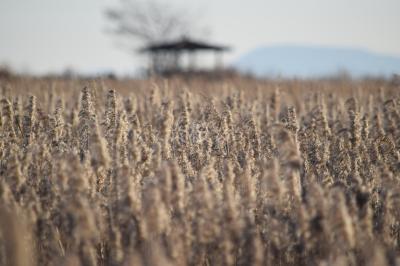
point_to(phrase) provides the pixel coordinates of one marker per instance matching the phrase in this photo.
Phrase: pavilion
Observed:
(165, 58)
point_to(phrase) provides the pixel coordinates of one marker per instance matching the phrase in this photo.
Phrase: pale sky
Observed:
(42, 36)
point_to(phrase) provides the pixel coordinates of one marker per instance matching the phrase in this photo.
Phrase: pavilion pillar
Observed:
(177, 61)
(192, 60)
(152, 61)
(218, 60)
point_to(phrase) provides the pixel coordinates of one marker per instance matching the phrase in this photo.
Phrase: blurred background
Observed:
(309, 38)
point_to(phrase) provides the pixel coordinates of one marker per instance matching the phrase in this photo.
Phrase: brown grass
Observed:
(173, 172)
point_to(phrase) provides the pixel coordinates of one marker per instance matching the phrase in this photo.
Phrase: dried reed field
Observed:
(234, 172)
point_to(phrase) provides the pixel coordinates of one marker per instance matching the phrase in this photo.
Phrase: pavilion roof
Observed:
(183, 44)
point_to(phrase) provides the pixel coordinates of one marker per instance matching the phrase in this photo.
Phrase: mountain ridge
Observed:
(316, 61)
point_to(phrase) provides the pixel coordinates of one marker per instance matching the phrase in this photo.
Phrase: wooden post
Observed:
(218, 60)
(192, 58)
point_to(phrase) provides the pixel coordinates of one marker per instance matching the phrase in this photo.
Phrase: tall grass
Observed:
(173, 172)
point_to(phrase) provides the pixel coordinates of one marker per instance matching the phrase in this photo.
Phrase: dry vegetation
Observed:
(176, 173)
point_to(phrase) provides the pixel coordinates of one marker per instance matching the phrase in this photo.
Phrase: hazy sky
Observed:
(48, 35)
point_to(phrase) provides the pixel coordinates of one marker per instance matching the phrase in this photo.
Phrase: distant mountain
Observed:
(314, 61)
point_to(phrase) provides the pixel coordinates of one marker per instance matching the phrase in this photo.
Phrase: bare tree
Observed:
(142, 21)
